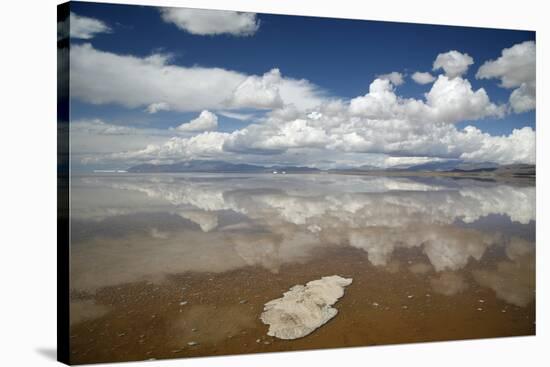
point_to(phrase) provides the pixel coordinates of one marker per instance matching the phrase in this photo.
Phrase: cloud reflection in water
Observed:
(218, 223)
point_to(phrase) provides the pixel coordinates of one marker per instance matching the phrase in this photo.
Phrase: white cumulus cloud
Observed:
(449, 100)
(395, 77)
(302, 124)
(206, 144)
(453, 63)
(380, 122)
(100, 77)
(516, 69)
(259, 92)
(204, 122)
(211, 22)
(86, 28)
(453, 100)
(423, 77)
(518, 147)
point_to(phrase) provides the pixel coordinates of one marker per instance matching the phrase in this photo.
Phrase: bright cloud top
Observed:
(516, 69)
(423, 77)
(211, 22)
(100, 77)
(395, 77)
(87, 28)
(453, 63)
(448, 101)
(204, 122)
(379, 122)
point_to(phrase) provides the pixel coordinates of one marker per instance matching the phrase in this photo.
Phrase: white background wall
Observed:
(28, 183)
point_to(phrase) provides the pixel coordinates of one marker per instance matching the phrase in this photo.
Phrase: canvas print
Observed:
(233, 182)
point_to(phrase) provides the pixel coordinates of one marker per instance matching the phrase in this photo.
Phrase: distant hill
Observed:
(216, 166)
(441, 166)
(454, 165)
(517, 170)
(478, 167)
(451, 167)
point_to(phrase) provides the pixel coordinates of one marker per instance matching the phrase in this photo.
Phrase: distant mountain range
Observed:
(451, 165)
(210, 166)
(217, 166)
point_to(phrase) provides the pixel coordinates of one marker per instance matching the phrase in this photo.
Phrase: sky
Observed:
(162, 85)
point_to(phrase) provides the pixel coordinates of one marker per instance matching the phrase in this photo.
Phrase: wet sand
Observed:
(206, 314)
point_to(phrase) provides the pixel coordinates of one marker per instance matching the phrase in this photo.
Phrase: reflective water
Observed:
(170, 265)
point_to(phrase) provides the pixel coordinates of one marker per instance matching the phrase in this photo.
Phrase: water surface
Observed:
(170, 265)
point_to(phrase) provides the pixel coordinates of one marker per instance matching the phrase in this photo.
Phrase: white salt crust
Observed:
(304, 309)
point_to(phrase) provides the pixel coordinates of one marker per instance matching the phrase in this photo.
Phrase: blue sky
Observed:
(339, 58)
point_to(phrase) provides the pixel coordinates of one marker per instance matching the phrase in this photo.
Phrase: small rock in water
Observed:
(258, 340)
(503, 311)
(405, 307)
(194, 329)
(243, 301)
(480, 309)
(410, 296)
(481, 301)
(375, 304)
(183, 303)
(192, 344)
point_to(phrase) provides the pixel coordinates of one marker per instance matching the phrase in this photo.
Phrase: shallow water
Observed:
(175, 265)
